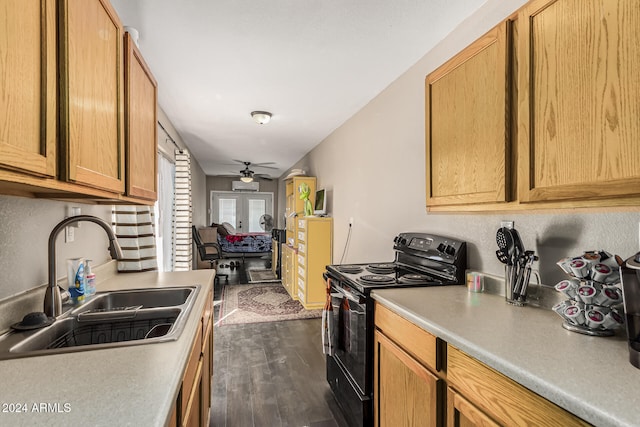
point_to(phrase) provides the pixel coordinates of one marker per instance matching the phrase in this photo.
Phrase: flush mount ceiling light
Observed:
(261, 117)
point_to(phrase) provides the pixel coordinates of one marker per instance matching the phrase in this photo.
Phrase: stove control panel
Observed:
(429, 245)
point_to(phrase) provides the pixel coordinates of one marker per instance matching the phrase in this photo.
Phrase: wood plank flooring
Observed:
(270, 374)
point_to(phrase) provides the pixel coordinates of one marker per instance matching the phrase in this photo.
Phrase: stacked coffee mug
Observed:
(594, 304)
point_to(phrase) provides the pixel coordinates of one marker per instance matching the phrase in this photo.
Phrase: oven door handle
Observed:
(348, 295)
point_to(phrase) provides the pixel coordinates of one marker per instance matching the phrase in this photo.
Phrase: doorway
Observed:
(242, 210)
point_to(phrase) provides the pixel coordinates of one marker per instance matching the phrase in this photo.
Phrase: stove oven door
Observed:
(350, 319)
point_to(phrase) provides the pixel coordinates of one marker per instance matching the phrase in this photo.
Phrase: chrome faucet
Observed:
(52, 297)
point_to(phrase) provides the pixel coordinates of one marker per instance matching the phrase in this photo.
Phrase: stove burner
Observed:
(381, 268)
(414, 278)
(346, 268)
(375, 279)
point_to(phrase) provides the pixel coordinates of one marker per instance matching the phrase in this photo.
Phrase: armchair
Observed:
(208, 252)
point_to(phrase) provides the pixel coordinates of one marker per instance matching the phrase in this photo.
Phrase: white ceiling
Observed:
(312, 63)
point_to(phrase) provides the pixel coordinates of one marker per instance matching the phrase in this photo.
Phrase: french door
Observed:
(242, 210)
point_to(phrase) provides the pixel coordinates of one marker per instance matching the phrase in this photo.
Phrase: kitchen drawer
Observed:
(302, 223)
(301, 260)
(301, 295)
(301, 271)
(301, 284)
(301, 236)
(302, 248)
(503, 399)
(419, 343)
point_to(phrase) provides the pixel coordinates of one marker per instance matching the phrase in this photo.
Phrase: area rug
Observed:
(261, 276)
(257, 303)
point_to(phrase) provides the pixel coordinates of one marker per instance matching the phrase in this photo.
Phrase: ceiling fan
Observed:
(247, 175)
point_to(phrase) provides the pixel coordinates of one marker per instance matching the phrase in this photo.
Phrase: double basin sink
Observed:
(108, 319)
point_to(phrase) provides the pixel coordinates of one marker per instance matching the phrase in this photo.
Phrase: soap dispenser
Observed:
(90, 279)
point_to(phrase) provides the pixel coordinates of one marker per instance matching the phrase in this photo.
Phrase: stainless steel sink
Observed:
(110, 319)
(147, 298)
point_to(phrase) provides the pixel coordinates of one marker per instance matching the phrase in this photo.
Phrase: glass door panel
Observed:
(242, 210)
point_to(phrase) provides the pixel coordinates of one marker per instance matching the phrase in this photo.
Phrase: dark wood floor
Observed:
(270, 374)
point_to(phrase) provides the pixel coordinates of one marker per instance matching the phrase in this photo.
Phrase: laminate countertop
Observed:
(136, 385)
(590, 377)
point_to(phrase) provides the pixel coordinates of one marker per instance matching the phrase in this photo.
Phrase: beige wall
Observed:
(374, 169)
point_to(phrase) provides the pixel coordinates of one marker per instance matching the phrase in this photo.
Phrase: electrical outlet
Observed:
(506, 224)
(351, 220)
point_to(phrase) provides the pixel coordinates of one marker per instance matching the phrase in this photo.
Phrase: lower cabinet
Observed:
(194, 400)
(408, 388)
(482, 391)
(406, 391)
(462, 413)
(419, 380)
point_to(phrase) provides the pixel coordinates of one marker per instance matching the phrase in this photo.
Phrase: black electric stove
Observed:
(420, 260)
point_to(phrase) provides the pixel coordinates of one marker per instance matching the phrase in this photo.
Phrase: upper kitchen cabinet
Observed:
(579, 101)
(28, 86)
(140, 124)
(91, 94)
(467, 125)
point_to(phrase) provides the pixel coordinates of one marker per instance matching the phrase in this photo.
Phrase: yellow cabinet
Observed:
(141, 124)
(289, 255)
(294, 205)
(467, 125)
(28, 102)
(578, 90)
(314, 254)
(92, 94)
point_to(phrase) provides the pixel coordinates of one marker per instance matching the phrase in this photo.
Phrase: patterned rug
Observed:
(257, 303)
(262, 276)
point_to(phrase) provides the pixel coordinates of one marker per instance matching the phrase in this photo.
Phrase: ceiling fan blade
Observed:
(261, 165)
(263, 176)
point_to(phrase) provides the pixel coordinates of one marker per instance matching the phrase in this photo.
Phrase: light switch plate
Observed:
(69, 234)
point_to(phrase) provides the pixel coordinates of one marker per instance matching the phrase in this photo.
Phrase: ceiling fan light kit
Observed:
(246, 178)
(261, 117)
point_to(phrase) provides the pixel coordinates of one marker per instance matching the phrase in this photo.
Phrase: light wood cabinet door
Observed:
(207, 371)
(467, 124)
(141, 128)
(501, 398)
(405, 392)
(28, 86)
(578, 88)
(462, 413)
(91, 87)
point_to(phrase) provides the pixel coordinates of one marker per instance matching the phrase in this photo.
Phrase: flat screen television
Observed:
(320, 207)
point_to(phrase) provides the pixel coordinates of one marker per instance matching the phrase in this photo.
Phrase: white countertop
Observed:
(134, 385)
(588, 376)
